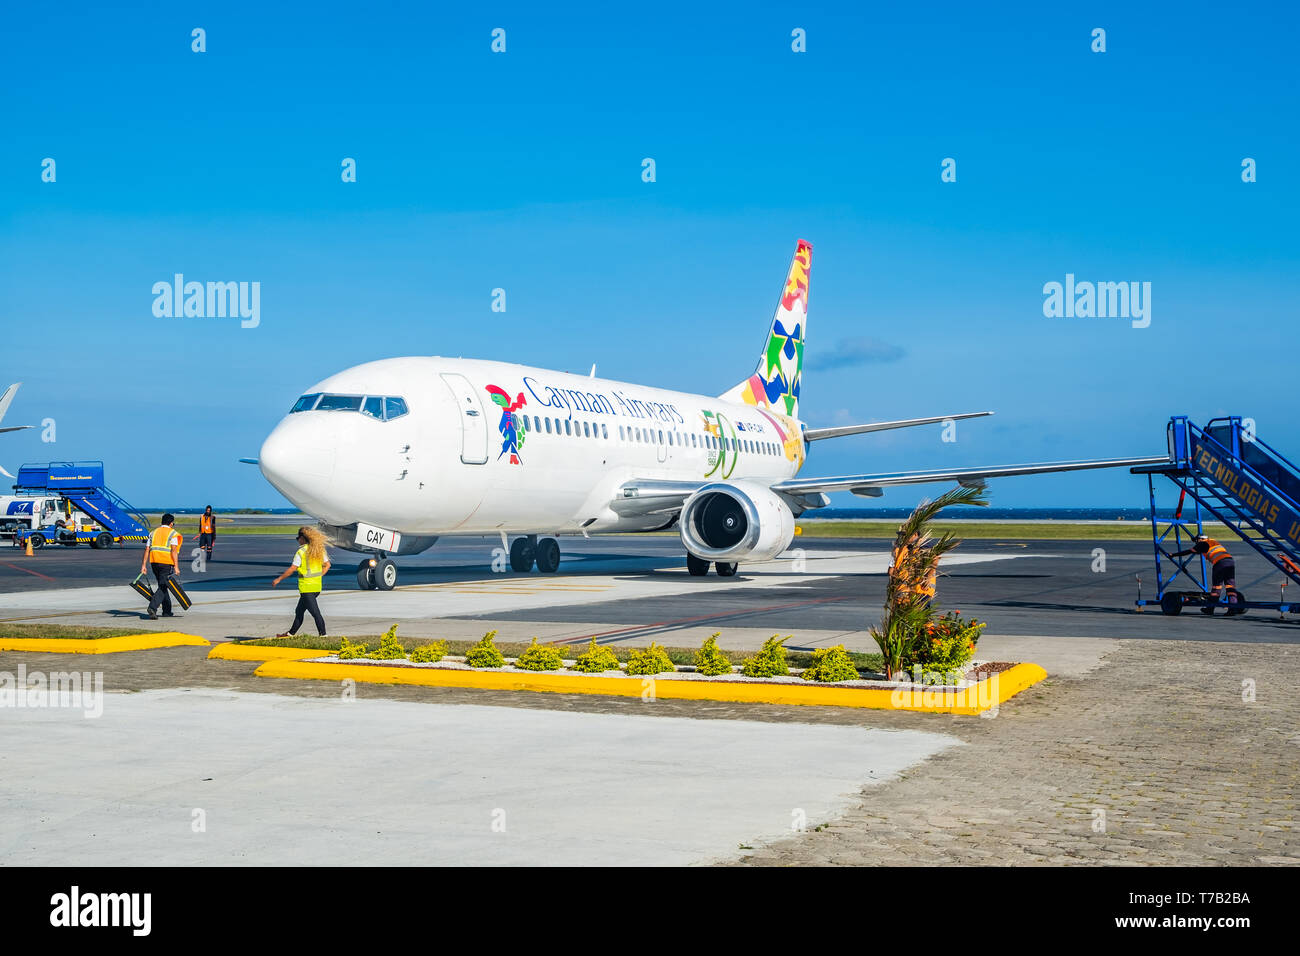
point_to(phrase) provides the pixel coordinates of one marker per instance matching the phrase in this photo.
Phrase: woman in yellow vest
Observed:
(311, 564)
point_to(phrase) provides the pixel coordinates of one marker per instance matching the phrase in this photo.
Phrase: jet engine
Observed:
(736, 521)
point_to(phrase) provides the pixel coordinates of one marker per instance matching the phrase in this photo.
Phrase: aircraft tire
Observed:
(365, 576)
(696, 567)
(385, 575)
(522, 555)
(726, 569)
(548, 555)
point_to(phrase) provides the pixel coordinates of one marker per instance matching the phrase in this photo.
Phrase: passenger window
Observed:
(548, 426)
(604, 432)
(374, 407)
(568, 427)
(661, 436)
(620, 433)
(394, 408)
(586, 429)
(305, 404)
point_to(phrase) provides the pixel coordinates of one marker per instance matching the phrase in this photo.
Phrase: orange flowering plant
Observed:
(945, 643)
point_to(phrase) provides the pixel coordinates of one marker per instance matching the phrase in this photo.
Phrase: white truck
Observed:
(29, 512)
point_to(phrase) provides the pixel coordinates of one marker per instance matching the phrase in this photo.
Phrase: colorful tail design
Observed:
(775, 383)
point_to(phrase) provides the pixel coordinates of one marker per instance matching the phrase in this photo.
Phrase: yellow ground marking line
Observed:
(101, 645)
(983, 696)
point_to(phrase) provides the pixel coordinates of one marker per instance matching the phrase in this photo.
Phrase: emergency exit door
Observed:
(473, 423)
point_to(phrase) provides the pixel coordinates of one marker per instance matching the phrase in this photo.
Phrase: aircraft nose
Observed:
(297, 458)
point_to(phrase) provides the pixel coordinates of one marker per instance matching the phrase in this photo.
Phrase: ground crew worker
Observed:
(162, 554)
(207, 531)
(311, 563)
(1223, 571)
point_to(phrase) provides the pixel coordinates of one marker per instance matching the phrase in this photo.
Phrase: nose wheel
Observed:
(377, 574)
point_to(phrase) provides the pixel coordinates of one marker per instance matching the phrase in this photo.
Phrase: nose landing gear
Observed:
(377, 574)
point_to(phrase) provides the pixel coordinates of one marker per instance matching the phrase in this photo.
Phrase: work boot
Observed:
(153, 616)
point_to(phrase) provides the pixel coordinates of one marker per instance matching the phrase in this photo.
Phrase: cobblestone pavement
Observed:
(1154, 758)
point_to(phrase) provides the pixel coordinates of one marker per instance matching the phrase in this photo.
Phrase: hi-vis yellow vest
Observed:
(160, 545)
(309, 573)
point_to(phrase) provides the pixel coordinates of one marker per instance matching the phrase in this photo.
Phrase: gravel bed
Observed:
(978, 670)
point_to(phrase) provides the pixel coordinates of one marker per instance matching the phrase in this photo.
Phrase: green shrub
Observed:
(540, 658)
(429, 653)
(485, 653)
(649, 660)
(769, 661)
(831, 664)
(596, 659)
(390, 648)
(348, 650)
(945, 644)
(710, 661)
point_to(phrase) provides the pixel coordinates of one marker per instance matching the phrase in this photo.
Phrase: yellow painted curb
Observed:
(101, 645)
(231, 651)
(976, 699)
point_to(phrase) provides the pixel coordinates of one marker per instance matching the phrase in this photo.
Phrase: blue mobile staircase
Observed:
(1234, 476)
(82, 484)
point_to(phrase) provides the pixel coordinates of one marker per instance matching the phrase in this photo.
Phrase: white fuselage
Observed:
(455, 459)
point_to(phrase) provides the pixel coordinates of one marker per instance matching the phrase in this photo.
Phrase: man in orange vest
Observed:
(207, 531)
(1223, 572)
(162, 553)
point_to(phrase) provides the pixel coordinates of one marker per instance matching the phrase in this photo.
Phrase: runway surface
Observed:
(633, 589)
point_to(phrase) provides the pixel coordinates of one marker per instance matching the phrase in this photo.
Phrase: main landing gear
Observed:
(377, 574)
(698, 567)
(527, 551)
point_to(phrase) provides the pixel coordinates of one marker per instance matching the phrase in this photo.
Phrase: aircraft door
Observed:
(473, 422)
(661, 444)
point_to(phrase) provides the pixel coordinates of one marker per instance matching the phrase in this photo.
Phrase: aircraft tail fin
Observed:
(776, 381)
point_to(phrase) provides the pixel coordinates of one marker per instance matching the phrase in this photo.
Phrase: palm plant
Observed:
(917, 554)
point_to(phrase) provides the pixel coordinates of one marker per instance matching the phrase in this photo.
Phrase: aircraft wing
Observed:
(835, 431)
(654, 496)
(870, 485)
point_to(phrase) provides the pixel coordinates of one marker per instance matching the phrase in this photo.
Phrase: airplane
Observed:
(393, 454)
(5, 401)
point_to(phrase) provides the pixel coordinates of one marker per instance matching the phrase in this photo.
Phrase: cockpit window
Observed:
(339, 403)
(381, 407)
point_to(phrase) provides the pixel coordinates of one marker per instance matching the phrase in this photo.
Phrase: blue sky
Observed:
(522, 171)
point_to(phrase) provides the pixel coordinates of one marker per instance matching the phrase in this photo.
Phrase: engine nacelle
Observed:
(736, 521)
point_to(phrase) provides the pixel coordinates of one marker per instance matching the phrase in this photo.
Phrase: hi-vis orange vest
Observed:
(1217, 551)
(160, 545)
(205, 524)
